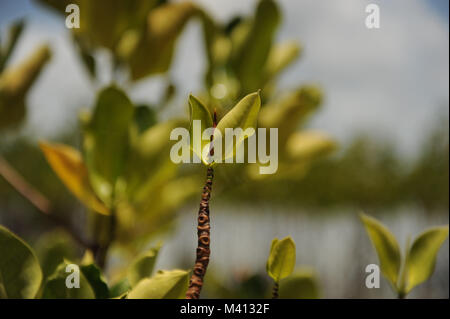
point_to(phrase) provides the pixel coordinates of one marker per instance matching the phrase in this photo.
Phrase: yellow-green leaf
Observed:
(281, 261)
(15, 82)
(281, 55)
(171, 284)
(243, 115)
(20, 273)
(421, 258)
(154, 49)
(302, 284)
(199, 112)
(142, 266)
(291, 111)
(308, 145)
(67, 163)
(251, 57)
(386, 246)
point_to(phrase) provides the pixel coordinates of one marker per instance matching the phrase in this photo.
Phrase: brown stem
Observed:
(203, 233)
(276, 287)
(38, 200)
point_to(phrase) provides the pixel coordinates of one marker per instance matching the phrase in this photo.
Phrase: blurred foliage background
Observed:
(320, 185)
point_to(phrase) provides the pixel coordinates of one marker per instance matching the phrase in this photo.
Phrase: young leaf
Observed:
(142, 267)
(154, 50)
(386, 246)
(280, 57)
(249, 62)
(55, 286)
(14, 33)
(243, 115)
(15, 83)
(199, 112)
(281, 261)
(422, 256)
(20, 273)
(302, 284)
(67, 163)
(107, 140)
(96, 280)
(164, 285)
(307, 145)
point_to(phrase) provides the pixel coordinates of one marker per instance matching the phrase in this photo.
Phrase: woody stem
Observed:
(203, 233)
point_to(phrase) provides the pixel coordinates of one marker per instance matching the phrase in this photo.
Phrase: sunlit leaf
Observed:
(164, 285)
(281, 261)
(20, 273)
(106, 141)
(243, 115)
(67, 163)
(421, 258)
(386, 246)
(142, 266)
(302, 284)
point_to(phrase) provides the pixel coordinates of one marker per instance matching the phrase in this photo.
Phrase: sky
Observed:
(390, 82)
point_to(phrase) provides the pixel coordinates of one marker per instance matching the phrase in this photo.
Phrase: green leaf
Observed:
(171, 284)
(302, 284)
(96, 280)
(15, 83)
(243, 115)
(106, 141)
(281, 55)
(68, 164)
(20, 273)
(198, 112)
(14, 33)
(144, 117)
(120, 289)
(309, 145)
(142, 266)
(421, 258)
(290, 112)
(155, 47)
(386, 246)
(251, 58)
(148, 165)
(281, 261)
(103, 22)
(52, 248)
(55, 286)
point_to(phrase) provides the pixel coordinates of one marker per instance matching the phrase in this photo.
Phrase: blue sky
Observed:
(391, 82)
